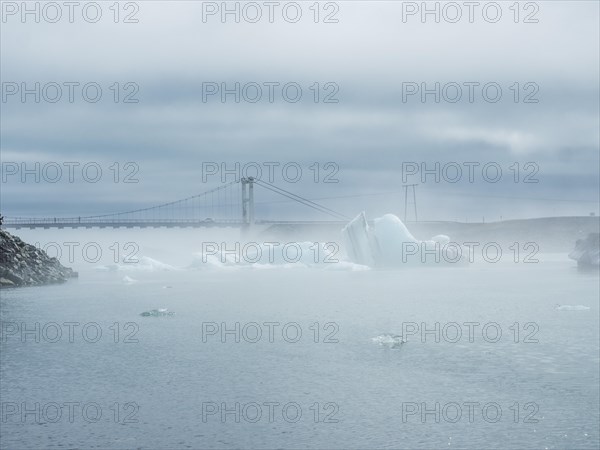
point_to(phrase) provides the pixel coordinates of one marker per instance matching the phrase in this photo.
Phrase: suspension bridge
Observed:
(229, 205)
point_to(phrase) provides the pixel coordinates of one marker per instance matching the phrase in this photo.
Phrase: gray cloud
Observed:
(369, 133)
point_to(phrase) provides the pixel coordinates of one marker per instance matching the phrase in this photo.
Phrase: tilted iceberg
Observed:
(389, 243)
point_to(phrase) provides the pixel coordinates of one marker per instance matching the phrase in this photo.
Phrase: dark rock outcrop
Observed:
(22, 264)
(587, 251)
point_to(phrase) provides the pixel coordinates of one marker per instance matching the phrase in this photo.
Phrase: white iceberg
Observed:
(571, 308)
(267, 255)
(129, 280)
(143, 264)
(389, 243)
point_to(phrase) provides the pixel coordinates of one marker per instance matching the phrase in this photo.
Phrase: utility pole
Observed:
(414, 201)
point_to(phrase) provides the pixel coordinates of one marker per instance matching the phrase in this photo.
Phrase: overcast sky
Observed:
(369, 133)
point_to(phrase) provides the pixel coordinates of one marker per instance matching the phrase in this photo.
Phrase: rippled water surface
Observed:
(170, 381)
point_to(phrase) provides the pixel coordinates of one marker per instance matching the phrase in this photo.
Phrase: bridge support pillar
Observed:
(251, 201)
(244, 202)
(247, 202)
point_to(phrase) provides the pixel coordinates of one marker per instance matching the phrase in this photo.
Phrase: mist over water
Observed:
(479, 341)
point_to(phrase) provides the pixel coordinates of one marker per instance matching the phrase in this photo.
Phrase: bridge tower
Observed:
(248, 201)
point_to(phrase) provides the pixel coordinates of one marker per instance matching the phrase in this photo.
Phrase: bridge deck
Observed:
(152, 224)
(141, 224)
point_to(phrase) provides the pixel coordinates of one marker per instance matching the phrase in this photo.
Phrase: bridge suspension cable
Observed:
(300, 199)
(164, 205)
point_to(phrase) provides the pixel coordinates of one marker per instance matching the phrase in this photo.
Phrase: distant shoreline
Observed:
(552, 234)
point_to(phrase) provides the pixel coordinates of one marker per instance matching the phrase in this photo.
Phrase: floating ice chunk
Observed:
(441, 239)
(267, 255)
(389, 340)
(203, 260)
(347, 266)
(572, 307)
(143, 264)
(129, 280)
(160, 312)
(147, 264)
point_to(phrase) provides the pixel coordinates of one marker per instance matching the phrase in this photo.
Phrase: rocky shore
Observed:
(587, 251)
(22, 264)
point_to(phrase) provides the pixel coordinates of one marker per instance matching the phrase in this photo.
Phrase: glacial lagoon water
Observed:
(171, 382)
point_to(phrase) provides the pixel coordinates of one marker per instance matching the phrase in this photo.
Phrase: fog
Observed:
(354, 224)
(544, 60)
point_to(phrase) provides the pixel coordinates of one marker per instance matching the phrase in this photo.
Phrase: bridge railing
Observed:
(70, 221)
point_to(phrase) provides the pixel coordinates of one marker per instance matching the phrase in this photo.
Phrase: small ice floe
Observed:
(389, 340)
(167, 287)
(571, 307)
(160, 312)
(129, 280)
(142, 264)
